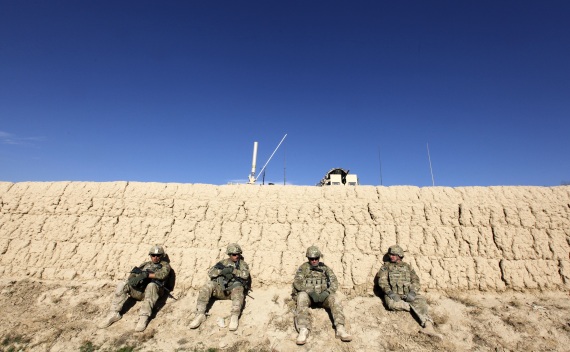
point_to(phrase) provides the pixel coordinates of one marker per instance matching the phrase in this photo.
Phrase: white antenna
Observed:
(430, 169)
(263, 168)
(252, 174)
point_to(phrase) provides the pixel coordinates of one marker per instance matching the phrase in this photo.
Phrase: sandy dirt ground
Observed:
(59, 316)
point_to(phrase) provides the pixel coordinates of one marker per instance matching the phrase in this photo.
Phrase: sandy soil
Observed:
(51, 316)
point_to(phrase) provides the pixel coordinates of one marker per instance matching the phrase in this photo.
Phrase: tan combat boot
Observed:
(429, 330)
(342, 334)
(113, 317)
(141, 324)
(234, 322)
(302, 338)
(200, 318)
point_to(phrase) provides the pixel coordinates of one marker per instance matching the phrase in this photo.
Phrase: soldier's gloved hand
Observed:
(411, 296)
(324, 295)
(314, 296)
(227, 270)
(393, 296)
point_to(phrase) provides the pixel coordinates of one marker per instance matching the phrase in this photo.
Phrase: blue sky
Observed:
(178, 91)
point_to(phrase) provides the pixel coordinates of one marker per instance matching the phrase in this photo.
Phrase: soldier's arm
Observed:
(243, 271)
(415, 280)
(161, 273)
(299, 281)
(216, 270)
(332, 279)
(383, 279)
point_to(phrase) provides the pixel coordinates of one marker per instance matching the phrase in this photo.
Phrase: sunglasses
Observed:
(155, 255)
(234, 254)
(313, 259)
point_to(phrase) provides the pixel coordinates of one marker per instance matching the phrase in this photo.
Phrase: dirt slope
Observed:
(494, 262)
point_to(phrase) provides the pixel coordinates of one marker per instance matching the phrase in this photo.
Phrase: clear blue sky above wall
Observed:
(178, 91)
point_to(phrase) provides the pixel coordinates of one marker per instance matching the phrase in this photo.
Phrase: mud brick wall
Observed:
(472, 238)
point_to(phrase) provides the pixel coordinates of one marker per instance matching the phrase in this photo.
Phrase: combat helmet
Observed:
(397, 250)
(313, 252)
(156, 249)
(233, 248)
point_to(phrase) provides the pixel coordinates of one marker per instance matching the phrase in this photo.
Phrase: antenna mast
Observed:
(430, 169)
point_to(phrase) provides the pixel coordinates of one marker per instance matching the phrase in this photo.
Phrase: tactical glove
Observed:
(314, 296)
(411, 296)
(393, 296)
(219, 266)
(323, 296)
(227, 270)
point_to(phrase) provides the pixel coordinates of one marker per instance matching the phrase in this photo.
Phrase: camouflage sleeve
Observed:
(215, 272)
(162, 273)
(383, 282)
(299, 281)
(415, 280)
(243, 271)
(332, 279)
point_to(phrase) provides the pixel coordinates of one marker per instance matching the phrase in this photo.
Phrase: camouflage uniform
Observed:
(308, 280)
(400, 278)
(148, 292)
(221, 288)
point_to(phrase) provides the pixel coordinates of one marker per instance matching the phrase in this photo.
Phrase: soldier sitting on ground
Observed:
(316, 284)
(146, 284)
(400, 285)
(229, 279)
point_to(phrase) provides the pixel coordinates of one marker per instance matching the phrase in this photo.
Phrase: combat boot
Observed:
(302, 338)
(200, 318)
(429, 330)
(342, 334)
(113, 317)
(141, 324)
(234, 322)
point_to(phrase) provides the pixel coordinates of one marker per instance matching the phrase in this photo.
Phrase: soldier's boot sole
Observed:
(112, 318)
(142, 323)
(302, 337)
(200, 318)
(234, 323)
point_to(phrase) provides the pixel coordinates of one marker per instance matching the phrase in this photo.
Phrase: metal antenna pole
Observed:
(263, 168)
(284, 165)
(430, 169)
(380, 162)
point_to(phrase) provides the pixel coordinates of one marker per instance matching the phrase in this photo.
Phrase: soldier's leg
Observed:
(303, 316)
(237, 296)
(120, 296)
(150, 296)
(334, 304)
(204, 295)
(397, 305)
(421, 309)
